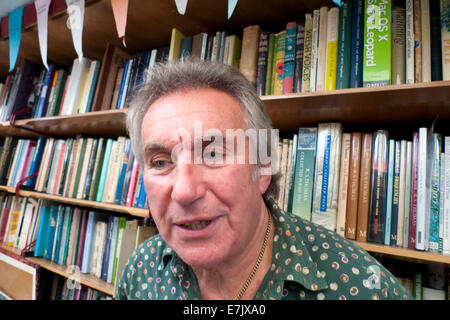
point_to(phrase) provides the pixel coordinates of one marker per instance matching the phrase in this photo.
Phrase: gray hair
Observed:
(191, 73)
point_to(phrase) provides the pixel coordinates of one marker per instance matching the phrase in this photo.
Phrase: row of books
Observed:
(57, 287)
(96, 169)
(86, 241)
(369, 187)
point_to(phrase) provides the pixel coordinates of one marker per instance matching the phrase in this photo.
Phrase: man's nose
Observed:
(188, 186)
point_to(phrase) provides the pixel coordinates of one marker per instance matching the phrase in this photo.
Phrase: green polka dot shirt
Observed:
(308, 262)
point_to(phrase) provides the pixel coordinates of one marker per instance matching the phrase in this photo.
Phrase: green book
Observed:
(304, 172)
(377, 43)
(67, 225)
(122, 224)
(93, 86)
(79, 167)
(104, 170)
(55, 103)
(97, 169)
(268, 90)
(344, 46)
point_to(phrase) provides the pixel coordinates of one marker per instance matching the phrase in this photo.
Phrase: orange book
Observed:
(353, 186)
(364, 188)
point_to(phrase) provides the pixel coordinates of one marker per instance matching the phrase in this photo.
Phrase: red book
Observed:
(413, 206)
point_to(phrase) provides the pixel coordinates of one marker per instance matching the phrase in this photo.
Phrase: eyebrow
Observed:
(155, 147)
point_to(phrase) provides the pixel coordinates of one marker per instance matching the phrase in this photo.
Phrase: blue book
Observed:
(395, 193)
(59, 230)
(42, 232)
(122, 84)
(45, 92)
(344, 46)
(101, 185)
(123, 170)
(222, 46)
(186, 47)
(106, 254)
(50, 237)
(89, 242)
(142, 193)
(36, 161)
(138, 191)
(356, 56)
(289, 57)
(387, 232)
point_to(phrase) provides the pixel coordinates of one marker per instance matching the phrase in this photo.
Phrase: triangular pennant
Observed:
(15, 30)
(231, 5)
(340, 3)
(42, 7)
(75, 9)
(181, 6)
(120, 11)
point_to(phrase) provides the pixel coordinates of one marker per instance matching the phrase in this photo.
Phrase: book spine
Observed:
(402, 190)
(291, 180)
(413, 209)
(270, 55)
(332, 48)
(390, 184)
(344, 46)
(406, 222)
(289, 57)
(398, 45)
(357, 44)
(435, 42)
(314, 50)
(353, 186)
(395, 194)
(433, 242)
(304, 169)
(343, 184)
(417, 42)
(299, 48)
(426, 43)
(249, 56)
(442, 204)
(409, 45)
(306, 69)
(278, 65)
(322, 49)
(364, 188)
(445, 38)
(104, 171)
(446, 217)
(263, 49)
(377, 43)
(421, 189)
(377, 216)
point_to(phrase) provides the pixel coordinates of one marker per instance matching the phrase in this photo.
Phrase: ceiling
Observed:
(6, 6)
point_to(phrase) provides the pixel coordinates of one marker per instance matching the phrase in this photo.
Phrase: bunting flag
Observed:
(75, 9)
(15, 30)
(340, 3)
(181, 6)
(42, 7)
(120, 10)
(231, 5)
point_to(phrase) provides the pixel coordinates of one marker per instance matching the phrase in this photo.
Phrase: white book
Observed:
(25, 232)
(446, 216)
(421, 189)
(125, 87)
(407, 194)
(115, 170)
(343, 183)
(75, 86)
(287, 178)
(426, 42)
(110, 170)
(322, 50)
(84, 168)
(284, 155)
(314, 52)
(54, 166)
(20, 222)
(409, 45)
(45, 165)
(15, 163)
(445, 39)
(88, 86)
(401, 198)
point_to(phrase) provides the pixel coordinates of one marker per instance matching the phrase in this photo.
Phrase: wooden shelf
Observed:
(407, 254)
(109, 123)
(85, 203)
(389, 104)
(86, 279)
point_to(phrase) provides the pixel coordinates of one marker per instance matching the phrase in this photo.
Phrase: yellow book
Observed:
(332, 48)
(278, 62)
(175, 44)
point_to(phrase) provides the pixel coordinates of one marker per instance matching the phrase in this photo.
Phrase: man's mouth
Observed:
(196, 225)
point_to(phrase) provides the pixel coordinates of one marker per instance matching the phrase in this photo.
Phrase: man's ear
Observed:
(264, 177)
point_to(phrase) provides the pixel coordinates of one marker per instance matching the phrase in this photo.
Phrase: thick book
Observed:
(421, 188)
(306, 69)
(362, 219)
(378, 186)
(435, 41)
(304, 172)
(332, 48)
(353, 186)
(445, 38)
(249, 55)
(299, 48)
(289, 57)
(270, 54)
(395, 194)
(326, 174)
(344, 46)
(278, 62)
(261, 72)
(343, 183)
(322, 49)
(377, 43)
(357, 44)
(175, 44)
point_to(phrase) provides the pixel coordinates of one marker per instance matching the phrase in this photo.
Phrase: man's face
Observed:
(206, 210)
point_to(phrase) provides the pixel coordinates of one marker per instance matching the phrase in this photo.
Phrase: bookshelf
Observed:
(392, 105)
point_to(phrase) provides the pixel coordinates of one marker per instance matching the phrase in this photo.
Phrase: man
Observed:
(221, 235)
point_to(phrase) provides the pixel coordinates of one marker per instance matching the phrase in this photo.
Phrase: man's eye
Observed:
(159, 164)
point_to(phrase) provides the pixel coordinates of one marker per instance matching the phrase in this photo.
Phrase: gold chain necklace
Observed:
(258, 261)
